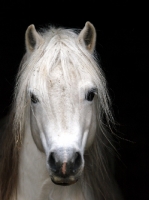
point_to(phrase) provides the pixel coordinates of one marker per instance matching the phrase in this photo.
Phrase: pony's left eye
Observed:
(34, 99)
(90, 95)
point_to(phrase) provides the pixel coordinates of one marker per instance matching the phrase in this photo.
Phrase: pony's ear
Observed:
(32, 38)
(87, 36)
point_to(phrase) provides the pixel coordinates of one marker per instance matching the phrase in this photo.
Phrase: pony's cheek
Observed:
(90, 125)
(91, 134)
(38, 142)
(36, 133)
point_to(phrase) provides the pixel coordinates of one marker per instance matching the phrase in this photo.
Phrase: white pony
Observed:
(58, 131)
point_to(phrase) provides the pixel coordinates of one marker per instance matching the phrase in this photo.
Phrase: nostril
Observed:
(52, 162)
(77, 160)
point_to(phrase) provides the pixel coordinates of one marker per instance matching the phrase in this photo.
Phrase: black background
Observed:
(123, 47)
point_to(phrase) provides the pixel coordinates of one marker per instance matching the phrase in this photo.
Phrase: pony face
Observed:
(62, 97)
(63, 122)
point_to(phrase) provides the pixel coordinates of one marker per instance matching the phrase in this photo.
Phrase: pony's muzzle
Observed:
(65, 166)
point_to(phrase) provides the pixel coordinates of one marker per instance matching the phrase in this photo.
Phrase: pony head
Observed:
(60, 84)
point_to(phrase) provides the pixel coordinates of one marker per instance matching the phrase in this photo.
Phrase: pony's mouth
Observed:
(64, 182)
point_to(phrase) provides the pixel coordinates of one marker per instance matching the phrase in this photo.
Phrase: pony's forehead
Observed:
(70, 71)
(73, 78)
(58, 79)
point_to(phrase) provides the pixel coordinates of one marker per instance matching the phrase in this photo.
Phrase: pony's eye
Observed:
(90, 95)
(34, 99)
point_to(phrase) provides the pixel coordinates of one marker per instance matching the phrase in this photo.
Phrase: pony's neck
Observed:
(34, 181)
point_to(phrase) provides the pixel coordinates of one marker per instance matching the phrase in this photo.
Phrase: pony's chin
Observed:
(63, 182)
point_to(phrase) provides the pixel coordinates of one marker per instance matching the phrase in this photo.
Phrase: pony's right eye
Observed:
(34, 99)
(90, 96)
